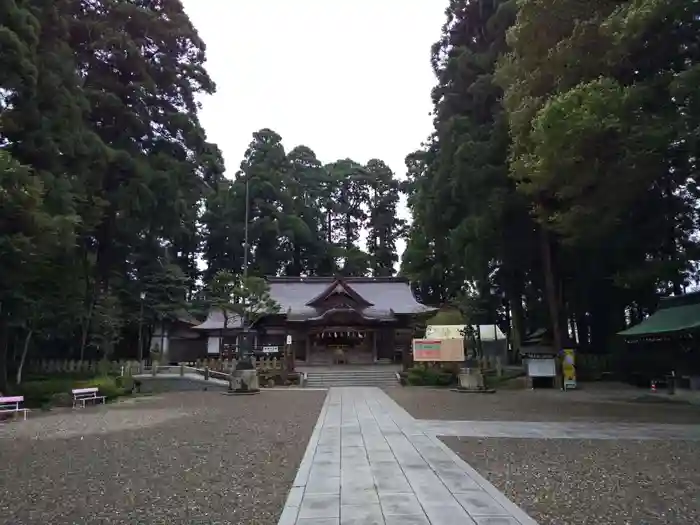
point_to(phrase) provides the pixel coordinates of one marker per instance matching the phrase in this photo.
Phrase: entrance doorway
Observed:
(341, 346)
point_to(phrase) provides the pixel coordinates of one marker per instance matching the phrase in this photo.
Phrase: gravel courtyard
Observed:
(585, 482)
(604, 403)
(177, 458)
(576, 481)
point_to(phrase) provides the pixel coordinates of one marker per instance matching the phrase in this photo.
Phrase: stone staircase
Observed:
(341, 376)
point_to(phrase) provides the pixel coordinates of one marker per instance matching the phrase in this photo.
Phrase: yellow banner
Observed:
(568, 368)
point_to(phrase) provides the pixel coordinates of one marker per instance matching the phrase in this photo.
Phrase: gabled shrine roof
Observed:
(380, 298)
(384, 294)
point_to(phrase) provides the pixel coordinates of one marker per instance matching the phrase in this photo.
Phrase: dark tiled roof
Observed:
(387, 295)
(215, 321)
(384, 293)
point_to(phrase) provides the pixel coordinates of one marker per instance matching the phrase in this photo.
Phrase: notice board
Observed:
(438, 350)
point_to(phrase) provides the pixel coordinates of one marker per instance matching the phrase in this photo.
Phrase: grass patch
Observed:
(491, 380)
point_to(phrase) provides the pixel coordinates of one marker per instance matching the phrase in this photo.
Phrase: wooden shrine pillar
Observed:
(374, 345)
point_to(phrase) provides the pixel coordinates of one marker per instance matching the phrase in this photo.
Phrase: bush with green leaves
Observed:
(53, 391)
(429, 376)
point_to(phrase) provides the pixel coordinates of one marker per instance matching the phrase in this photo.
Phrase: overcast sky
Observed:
(347, 78)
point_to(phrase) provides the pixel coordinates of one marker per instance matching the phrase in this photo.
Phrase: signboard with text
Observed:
(426, 350)
(445, 350)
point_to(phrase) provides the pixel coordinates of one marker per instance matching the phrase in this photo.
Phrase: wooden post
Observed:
(374, 346)
(285, 364)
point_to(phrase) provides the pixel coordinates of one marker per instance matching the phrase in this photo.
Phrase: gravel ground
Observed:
(584, 482)
(595, 403)
(177, 458)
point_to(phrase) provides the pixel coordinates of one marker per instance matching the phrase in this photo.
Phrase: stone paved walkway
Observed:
(369, 462)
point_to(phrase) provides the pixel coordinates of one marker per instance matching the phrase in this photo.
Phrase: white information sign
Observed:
(289, 339)
(541, 368)
(270, 349)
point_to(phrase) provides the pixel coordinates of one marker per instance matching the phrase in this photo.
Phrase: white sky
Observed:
(347, 78)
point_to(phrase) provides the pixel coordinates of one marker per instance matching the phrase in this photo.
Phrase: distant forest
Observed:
(559, 187)
(305, 218)
(110, 190)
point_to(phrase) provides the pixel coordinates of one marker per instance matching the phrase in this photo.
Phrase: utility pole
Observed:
(244, 352)
(140, 352)
(247, 213)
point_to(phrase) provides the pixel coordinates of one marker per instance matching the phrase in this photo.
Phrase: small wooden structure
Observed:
(665, 347)
(541, 361)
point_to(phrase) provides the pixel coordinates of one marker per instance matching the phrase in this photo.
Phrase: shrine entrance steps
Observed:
(371, 375)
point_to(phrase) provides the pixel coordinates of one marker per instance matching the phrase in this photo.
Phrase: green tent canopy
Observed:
(675, 315)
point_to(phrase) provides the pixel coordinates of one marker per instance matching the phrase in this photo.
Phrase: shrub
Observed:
(40, 393)
(55, 391)
(419, 376)
(265, 376)
(62, 399)
(415, 378)
(126, 382)
(107, 385)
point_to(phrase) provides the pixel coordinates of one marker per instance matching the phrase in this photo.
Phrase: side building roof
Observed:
(675, 316)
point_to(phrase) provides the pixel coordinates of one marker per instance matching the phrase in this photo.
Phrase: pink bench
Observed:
(82, 395)
(11, 405)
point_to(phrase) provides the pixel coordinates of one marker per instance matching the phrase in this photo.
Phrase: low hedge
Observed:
(425, 376)
(265, 376)
(56, 391)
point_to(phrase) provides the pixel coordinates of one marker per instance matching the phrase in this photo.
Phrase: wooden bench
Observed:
(83, 395)
(10, 405)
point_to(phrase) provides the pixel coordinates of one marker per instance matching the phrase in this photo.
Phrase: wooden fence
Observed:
(227, 365)
(593, 367)
(588, 366)
(133, 367)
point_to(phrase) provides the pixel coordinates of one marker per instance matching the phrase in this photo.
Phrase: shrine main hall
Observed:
(331, 320)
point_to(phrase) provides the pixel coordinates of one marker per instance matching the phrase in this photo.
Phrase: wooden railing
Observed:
(133, 367)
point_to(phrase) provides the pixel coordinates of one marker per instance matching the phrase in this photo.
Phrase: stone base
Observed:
(242, 393)
(473, 391)
(244, 381)
(471, 379)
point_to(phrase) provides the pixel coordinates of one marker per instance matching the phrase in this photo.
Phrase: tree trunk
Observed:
(572, 328)
(86, 324)
(25, 351)
(162, 337)
(551, 292)
(518, 315)
(582, 329)
(3, 352)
